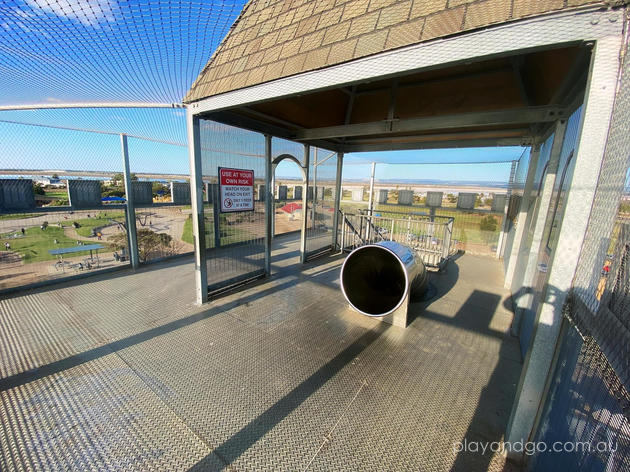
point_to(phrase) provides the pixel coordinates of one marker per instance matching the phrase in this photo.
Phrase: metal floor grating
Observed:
(125, 373)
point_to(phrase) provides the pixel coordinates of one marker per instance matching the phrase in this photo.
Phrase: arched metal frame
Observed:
(282, 157)
(274, 164)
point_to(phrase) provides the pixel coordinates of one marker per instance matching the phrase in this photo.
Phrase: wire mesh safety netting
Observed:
(288, 182)
(235, 241)
(63, 188)
(55, 51)
(419, 191)
(589, 400)
(62, 213)
(321, 197)
(541, 247)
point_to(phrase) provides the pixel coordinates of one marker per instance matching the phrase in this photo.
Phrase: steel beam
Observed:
(196, 200)
(252, 124)
(307, 159)
(463, 120)
(132, 235)
(384, 146)
(45, 106)
(371, 200)
(269, 204)
(338, 178)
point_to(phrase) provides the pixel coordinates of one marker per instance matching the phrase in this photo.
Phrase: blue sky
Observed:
(43, 147)
(67, 51)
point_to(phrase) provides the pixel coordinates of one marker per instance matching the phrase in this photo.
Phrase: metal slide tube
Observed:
(377, 278)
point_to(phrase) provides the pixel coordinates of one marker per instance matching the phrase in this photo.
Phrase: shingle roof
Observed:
(278, 38)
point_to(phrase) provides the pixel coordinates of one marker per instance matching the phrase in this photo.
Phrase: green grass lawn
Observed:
(187, 234)
(34, 246)
(87, 224)
(57, 193)
(231, 234)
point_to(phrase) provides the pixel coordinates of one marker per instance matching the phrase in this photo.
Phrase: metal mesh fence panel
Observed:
(322, 173)
(62, 213)
(585, 422)
(163, 220)
(40, 246)
(288, 189)
(235, 241)
(516, 190)
(532, 215)
(477, 210)
(590, 399)
(552, 223)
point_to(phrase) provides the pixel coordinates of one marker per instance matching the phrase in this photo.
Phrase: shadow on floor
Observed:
(240, 442)
(488, 425)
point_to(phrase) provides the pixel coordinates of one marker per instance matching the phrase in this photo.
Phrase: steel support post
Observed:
(596, 119)
(269, 205)
(504, 227)
(521, 222)
(216, 214)
(197, 213)
(132, 235)
(370, 202)
(272, 187)
(314, 211)
(307, 158)
(337, 200)
(524, 302)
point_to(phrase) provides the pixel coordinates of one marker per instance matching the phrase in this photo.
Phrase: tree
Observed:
(149, 242)
(121, 178)
(488, 223)
(451, 198)
(38, 189)
(55, 176)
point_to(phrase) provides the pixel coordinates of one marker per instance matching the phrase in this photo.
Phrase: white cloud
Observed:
(88, 12)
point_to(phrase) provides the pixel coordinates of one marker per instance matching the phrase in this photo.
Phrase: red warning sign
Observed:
(236, 189)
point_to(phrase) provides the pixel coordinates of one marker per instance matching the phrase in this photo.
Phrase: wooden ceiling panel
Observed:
(495, 91)
(308, 111)
(512, 83)
(544, 72)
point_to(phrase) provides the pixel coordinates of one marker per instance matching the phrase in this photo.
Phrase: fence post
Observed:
(337, 199)
(307, 157)
(343, 232)
(504, 228)
(197, 213)
(269, 205)
(314, 212)
(370, 204)
(448, 233)
(216, 215)
(391, 234)
(131, 211)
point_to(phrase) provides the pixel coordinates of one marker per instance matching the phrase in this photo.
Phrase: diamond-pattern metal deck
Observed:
(125, 373)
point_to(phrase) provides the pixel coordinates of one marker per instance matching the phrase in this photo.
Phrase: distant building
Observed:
(51, 182)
